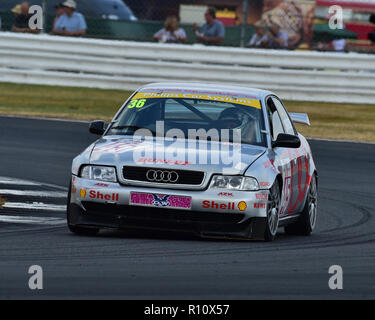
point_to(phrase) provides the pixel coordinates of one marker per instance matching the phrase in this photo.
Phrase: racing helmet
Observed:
(235, 118)
(239, 118)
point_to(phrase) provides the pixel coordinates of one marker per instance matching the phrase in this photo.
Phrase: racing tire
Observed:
(306, 222)
(82, 231)
(273, 210)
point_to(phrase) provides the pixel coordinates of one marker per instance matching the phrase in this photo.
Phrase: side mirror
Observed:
(97, 127)
(286, 141)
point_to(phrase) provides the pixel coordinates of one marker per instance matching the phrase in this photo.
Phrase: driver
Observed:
(234, 118)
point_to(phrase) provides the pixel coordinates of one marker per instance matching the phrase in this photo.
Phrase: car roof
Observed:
(204, 88)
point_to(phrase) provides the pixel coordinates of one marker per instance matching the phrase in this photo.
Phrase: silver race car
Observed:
(218, 161)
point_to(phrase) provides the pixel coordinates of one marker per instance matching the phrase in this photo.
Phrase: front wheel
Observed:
(307, 219)
(273, 210)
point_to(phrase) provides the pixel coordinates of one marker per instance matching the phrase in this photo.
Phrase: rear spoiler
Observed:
(302, 118)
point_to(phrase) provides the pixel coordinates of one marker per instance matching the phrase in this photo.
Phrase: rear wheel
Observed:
(273, 209)
(307, 220)
(82, 231)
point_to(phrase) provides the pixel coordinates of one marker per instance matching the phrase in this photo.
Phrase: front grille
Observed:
(186, 177)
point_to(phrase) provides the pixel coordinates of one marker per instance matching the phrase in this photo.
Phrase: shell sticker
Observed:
(242, 206)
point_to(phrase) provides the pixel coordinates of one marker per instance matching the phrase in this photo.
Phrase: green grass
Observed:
(328, 120)
(337, 120)
(60, 102)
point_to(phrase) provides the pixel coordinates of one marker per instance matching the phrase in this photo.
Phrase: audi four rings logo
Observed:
(162, 176)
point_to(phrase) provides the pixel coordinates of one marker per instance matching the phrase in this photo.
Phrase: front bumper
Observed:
(208, 215)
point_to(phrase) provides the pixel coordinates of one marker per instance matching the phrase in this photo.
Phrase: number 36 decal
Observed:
(137, 103)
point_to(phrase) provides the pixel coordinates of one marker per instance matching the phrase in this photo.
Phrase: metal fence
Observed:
(304, 21)
(108, 64)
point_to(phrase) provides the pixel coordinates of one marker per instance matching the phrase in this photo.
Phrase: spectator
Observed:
(259, 39)
(338, 45)
(59, 12)
(16, 10)
(171, 32)
(213, 31)
(71, 23)
(277, 38)
(22, 18)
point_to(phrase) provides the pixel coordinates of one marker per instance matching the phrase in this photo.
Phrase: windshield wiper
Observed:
(133, 128)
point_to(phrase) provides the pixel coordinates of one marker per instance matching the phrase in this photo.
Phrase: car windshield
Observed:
(213, 117)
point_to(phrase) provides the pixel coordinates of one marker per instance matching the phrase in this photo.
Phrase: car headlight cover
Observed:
(234, 183)
(99, 173)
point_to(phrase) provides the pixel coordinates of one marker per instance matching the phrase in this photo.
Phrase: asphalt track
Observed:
(164, 266)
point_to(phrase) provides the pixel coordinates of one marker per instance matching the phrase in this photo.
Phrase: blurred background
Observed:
(304, 21)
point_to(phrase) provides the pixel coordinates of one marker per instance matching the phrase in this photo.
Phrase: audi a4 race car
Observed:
(218, 161)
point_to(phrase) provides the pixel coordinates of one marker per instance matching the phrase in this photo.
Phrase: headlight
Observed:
(99, 173)
(234, 183)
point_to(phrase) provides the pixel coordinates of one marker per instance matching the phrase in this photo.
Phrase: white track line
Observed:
(14, 181)
(33, 220)
(34, 206)
(5, 180)
(32, 193)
